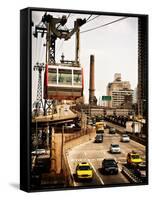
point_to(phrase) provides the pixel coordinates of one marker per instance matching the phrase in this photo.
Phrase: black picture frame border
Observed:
(26, 93)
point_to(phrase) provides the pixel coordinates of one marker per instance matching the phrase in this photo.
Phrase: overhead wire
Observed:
(36, 44)
(59, 47)
(68, 16)
(89, 17)
(39, 49)
(103, 25)
(43, 51)
(93, 18)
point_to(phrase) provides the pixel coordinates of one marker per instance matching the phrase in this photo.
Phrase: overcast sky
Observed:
(115, 48)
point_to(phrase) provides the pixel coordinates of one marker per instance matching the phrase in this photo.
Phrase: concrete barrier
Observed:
(79, 139)
(67, 173)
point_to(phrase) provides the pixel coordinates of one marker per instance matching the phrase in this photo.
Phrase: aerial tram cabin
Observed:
(64, 82)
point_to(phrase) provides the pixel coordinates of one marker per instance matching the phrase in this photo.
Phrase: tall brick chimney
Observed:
(92, 97)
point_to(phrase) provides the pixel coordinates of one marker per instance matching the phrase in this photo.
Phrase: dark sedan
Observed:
(112, 130)
(98, 138)
(109, 166)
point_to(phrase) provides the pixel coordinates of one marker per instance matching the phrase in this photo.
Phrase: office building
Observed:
(120, 92)
(142, 65)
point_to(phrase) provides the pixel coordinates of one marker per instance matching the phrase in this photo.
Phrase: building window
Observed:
(52, 76)
(77, 77)
(65, 77)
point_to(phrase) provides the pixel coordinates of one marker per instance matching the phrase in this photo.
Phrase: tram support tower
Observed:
(62, 81)
(38, 104)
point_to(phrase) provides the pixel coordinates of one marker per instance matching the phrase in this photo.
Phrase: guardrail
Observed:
(137, 139)
(132, 137)
(130, 176)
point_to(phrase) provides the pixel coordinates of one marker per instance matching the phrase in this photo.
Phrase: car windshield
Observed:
(39, 151)
(98, 136)
(84, 167)
(115, 145)
(125, 136)
(110, 162)
(135, 156)
(99, 131)
(142, 166)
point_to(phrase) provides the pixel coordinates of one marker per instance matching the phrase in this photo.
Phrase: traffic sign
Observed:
(106, 98)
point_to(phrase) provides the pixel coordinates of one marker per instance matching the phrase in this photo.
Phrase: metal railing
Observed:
(130, 176)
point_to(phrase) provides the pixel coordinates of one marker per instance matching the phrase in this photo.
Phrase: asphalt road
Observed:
(94, 153)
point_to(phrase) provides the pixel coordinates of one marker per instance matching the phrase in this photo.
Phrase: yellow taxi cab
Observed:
(84, 171)
(100, 124)
(133, 158)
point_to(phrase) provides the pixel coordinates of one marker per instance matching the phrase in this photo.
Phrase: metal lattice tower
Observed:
(39, 102)
(51, 57)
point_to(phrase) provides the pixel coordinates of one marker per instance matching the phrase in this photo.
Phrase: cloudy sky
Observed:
(114, 46)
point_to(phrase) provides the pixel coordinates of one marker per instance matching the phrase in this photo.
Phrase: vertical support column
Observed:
(47, 136)
(72, 78)
(77, 53)
(47, 43)
(52, 40)
(52, 152)
(62, 145)
(59, 146)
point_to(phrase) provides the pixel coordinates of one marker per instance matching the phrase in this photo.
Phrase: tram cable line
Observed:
(103, 25)
(88, 18)
(93, 18)
(40, 51)
(59, 48)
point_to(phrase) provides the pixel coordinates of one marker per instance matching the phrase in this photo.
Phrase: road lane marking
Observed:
(72, 172)
(96, 173)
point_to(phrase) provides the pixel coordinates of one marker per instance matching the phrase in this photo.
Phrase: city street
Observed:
(94, 153)
(84, 114)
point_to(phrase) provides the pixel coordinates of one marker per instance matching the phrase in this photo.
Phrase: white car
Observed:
(70, 126)
(39, 152)
(90, 122)
(125, 138)
(115, 148)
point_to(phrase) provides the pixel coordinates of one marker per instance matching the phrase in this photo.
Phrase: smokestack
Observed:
(92, 86)
(92, 98)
